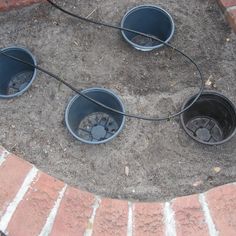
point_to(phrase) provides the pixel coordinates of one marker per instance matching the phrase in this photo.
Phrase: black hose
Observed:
(103, 105)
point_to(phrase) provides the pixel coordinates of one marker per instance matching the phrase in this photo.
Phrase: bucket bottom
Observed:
(97, 126)
(19, 82)
(205, 129)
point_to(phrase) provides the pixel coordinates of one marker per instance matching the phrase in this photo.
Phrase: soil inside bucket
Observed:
(19, 82)
(147, 161)
(143, 41)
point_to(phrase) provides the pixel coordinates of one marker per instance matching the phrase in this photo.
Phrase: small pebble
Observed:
(197, 183)
(127, 171)
(217, 169)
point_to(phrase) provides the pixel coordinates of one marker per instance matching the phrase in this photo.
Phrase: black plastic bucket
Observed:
(148, 19)
(16, 77)
(90, 123)
(211, 120)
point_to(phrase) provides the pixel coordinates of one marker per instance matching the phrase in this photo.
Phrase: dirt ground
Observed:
(162, 161)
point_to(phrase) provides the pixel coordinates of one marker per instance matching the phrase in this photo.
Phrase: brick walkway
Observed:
(33, 203)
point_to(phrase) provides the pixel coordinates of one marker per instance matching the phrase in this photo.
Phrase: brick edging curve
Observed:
(6, 5)
(229, 9)
(34, 203)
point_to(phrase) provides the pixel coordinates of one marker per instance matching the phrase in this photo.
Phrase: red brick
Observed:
(12, 174)
(3, 5)
(231, 17)
(226, 3)
(9, 4)
(148, 219)
(189, 217)
(74, 213)
(222, 205)
(33, 210)
(111, 218)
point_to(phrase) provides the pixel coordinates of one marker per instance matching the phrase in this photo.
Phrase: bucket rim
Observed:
(108, 91)
(147, 48)
(209, 92)
(24, 49)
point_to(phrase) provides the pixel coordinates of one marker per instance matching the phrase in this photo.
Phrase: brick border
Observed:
(229, 9)
(6, 5)
(33, 203)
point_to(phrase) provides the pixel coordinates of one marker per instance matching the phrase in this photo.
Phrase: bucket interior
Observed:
(92, 123)
(211, 119)
(148, 20)
(15, 76)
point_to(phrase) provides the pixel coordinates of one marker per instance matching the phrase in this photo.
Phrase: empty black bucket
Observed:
(91, 123)
(211, 120)
(151, 20)
(15, 77)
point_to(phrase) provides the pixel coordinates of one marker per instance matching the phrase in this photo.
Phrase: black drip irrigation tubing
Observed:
(140, 117)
